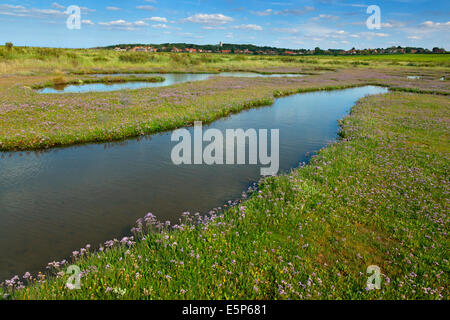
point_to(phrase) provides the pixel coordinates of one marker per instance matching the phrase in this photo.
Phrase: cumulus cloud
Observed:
(123, 24)
(156, 19)
(295, 12)
(266, 12)
(370, 35)
(160, 26)
(253, 27)
(209, 19)
(58, 6)
(431, 24)
(22, 11)
(146, 8)
(392, 24)
(286, 30)
(88, 22)
(324, 17)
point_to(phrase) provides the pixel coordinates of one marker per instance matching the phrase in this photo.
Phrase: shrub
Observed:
(180, 58)
(136, 57)
(59, 80)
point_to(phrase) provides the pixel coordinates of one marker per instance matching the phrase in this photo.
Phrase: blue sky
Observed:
(280, 23)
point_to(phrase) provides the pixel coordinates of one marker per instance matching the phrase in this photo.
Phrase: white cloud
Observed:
(313, 30)
(146, 8)
(325, 17)
(123, 24)
(21, 11)
(214, 28)
(253, 27)
(88, 22)
(156, 19)
(266, 12)
(160, 26)
(431, 24)
(286, 30)
(113, 8)
(58, 6)
(190, 35)
(85, 9)
(140, 23)
(392, 24)
(371, 35)
(296, 12)
(10, 6)
(210, 19)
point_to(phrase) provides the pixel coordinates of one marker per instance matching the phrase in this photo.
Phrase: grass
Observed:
(61, 81)
(30, 120)
(30, 60)
(377, 197)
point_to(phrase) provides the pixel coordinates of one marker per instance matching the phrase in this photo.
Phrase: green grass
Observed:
(30, 60)
(62, 81)
(29, 120)
(377, 197)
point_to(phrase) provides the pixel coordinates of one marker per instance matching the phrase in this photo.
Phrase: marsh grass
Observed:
(61, 81)
(46, 60)
(377, 197)
(33, 121)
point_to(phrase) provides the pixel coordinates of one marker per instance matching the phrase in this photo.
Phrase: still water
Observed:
(170, 79)
(54, 202)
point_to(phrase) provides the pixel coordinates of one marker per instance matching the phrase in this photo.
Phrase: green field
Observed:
(28, 60)
(379, 196)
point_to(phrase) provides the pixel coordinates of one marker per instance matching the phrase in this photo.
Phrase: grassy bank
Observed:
(62, 81)
(29, 120)
(378, 197)
(28, 60)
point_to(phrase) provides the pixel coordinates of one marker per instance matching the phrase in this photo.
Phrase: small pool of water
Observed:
(54, 202)
(170, 79)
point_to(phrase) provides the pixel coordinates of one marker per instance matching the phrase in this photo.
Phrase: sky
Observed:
(292, 24)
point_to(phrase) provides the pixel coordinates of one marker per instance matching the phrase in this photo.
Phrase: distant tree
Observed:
(317, 50)
(9, 45)
(438, 50)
